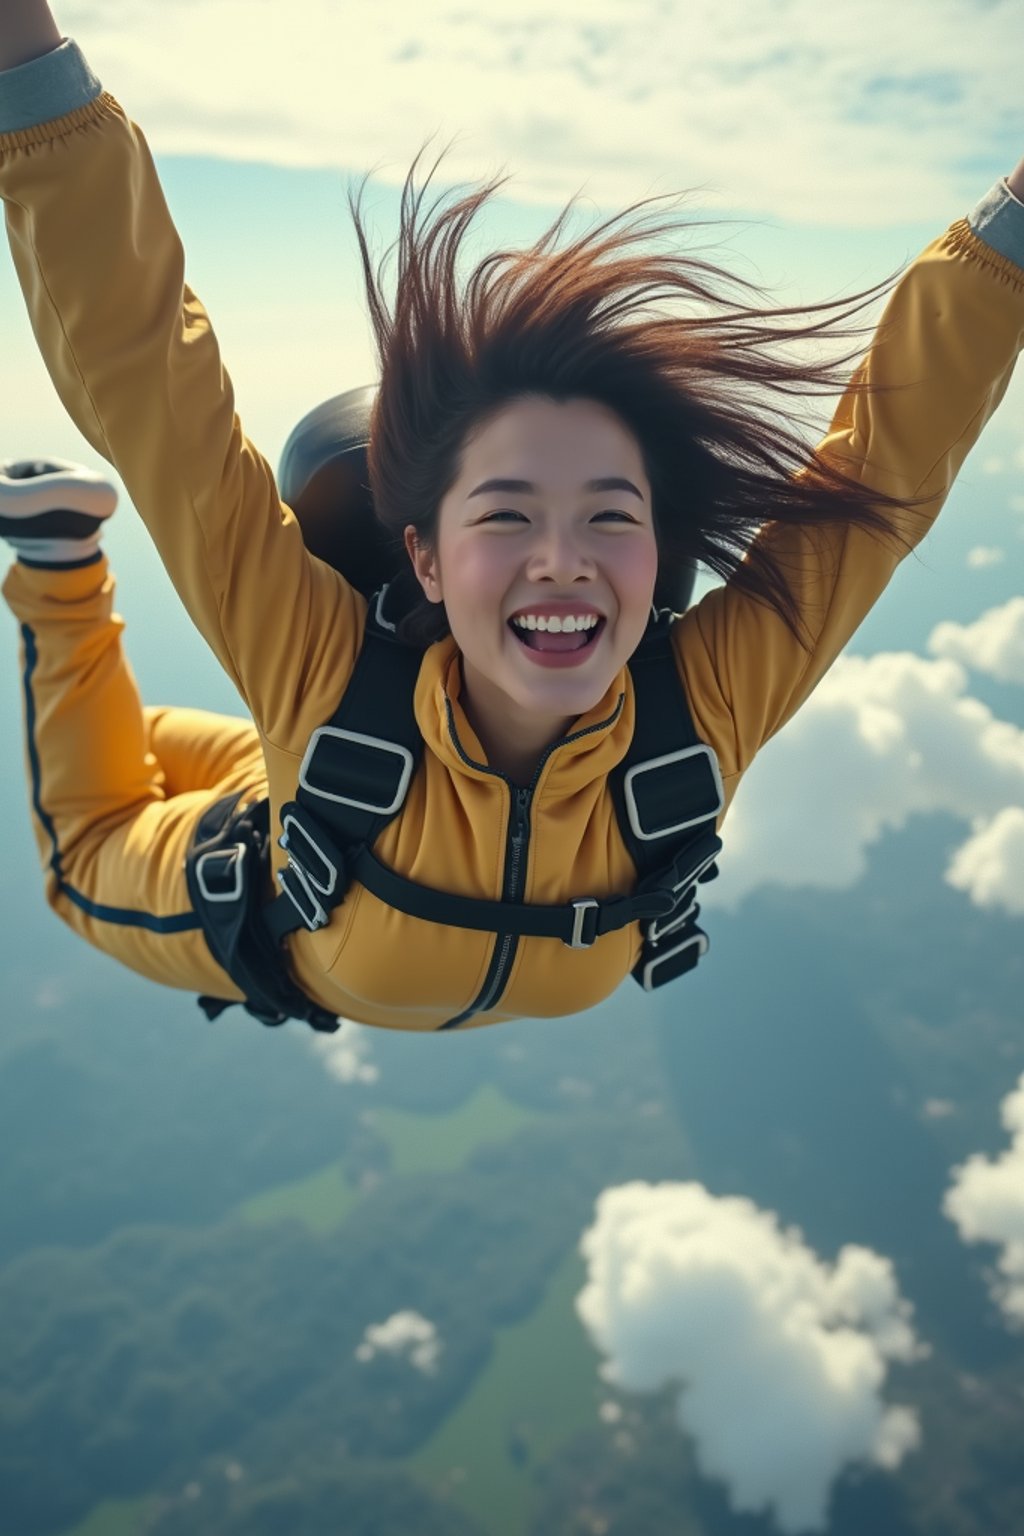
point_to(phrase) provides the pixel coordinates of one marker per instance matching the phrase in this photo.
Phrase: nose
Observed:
(557, 554)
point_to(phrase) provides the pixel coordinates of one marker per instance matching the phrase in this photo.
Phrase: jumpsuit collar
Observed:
(594, 744)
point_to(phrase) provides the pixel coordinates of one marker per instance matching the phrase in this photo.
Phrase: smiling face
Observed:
(564, 547)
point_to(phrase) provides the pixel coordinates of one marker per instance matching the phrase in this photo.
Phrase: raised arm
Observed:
(951, 333)
(134, 359)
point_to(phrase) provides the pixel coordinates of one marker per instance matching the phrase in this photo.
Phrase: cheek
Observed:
(474, 589)
(476, 573)
(636, 572)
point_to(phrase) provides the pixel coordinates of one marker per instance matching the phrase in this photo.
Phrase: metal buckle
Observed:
(682, 888)
(581, 908)
(379, 610)
(697, 938)
(655, 934)
(316, 917)
(285, 842)
(693, 878)
(402, 753)
(236, 859)
(633, 810)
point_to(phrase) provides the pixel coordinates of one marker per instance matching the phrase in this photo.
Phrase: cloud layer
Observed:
(993, 644)
(781, 1359)
(881, 739)
(986, 1202)
(627, 99)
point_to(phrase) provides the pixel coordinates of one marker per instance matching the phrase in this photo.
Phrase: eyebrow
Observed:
(527, 487)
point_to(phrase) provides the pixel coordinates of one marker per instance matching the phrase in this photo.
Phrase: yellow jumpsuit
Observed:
(116, 789)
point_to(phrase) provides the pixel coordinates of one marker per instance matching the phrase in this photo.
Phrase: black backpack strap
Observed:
(667, 793)
(352, 781)
(226, 873)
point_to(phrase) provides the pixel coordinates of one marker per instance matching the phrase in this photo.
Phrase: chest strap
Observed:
(320, 870)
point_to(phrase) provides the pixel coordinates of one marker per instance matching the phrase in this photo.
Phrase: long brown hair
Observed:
(722, 458)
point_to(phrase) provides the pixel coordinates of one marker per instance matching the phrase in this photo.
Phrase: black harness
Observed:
(353, 780)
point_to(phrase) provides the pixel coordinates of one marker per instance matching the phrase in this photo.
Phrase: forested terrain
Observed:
(200, 1223)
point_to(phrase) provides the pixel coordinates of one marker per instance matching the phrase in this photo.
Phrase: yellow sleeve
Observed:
(950, 333)
(134, 359)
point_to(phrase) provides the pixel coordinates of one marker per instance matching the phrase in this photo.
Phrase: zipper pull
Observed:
(522, 813)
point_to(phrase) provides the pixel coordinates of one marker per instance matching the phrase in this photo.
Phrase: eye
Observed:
(507, 512)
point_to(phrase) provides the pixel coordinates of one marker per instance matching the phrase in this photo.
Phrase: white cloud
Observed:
(881, 739)
(344, 1054)
(993, 644)
(407, 1333)
(986, 1202)
(984, 555)
(990, 865)
(780, 1359)
(627, 99)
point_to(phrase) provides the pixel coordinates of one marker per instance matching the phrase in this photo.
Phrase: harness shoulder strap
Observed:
(667, 793)
(353, 777)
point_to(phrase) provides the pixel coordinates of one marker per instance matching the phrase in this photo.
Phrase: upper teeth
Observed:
(567, 626)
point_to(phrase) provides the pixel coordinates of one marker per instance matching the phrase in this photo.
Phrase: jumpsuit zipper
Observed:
(516, 848)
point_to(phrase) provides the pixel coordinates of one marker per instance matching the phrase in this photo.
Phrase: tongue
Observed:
(548, 640)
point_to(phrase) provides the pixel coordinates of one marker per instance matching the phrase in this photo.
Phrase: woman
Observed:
(540, 452)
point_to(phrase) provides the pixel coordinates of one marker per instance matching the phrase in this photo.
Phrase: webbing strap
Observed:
(225, 870)
(576, 923)
(351, 782)
(380, 690)
(663, 799)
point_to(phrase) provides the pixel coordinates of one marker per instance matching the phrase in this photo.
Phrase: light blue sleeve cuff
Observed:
(44, 88)
(998, 220)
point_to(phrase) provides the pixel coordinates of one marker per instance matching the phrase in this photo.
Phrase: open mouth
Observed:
(549, 642)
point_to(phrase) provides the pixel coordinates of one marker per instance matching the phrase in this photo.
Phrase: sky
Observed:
(836, 145)
(769, 121)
